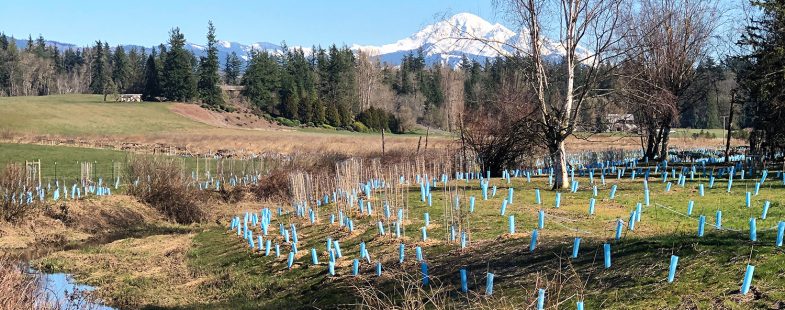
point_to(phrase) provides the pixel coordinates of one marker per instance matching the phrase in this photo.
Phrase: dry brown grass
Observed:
(133, 272)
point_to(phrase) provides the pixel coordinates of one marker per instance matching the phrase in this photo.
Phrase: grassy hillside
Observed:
(88, 115)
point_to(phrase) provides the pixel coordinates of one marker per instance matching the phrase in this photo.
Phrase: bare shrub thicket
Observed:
(13, 193)
(502, 133)
(161, 183)
(18, 290)
(273, 187)
(400, 290)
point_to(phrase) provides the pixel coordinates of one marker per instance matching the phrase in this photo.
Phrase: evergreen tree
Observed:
(232, 69)
(101, 78)
(152, 86)
(761, 78)
(121, 69)
(209, 91)
(40, 47)
(261, 81)
(177, 83)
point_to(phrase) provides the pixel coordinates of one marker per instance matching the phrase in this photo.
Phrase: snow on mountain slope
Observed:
(463, 34)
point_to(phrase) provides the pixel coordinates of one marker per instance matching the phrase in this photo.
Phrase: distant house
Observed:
(621, 122)
(233, 91)
(129, 98)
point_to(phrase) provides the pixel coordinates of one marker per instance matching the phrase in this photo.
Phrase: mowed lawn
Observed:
(88, 115)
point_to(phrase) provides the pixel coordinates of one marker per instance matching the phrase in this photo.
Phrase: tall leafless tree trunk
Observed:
(587, 32)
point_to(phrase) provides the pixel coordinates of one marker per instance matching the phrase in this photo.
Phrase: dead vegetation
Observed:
(14, 187)
(161, 183)
(18, 289)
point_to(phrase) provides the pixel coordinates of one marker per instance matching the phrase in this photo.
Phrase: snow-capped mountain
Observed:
(463, 34)
(445, 41)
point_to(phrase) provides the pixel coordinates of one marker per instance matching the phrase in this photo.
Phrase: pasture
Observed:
(217, 269)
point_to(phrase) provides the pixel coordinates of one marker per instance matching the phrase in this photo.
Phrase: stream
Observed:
(60, 288)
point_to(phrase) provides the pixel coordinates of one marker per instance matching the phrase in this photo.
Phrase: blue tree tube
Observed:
(646, 197)
(540, 219)
(464, 242)
(401, 249)
(277, 250)
(427, 218)
(418, 253)
(745, 285)
(730, 183)
(579, 305)
(337, 248)
(701, 225)
(378, 269)
(638, 210)
(607, 254)
(718, 219)
(594, 190)
(540, 299)
(690, 206)
(672, 269)
(290, 260)
(314, 257)
(533, 242)
(576, 246)
(267, 246)
(753, 230)
(701, 190)
(424, 270)
(511, 224)
(355, 267)
(748, 199)
(558, 200)
(613, 192)
(362, 249)
(592, 202)
(510, 194)
(765, 210)
(424, 233)
(619, 226)
(504, 207)
(471, 204)
(464, 281)
(381, 228)
(537, 197)
(780, 232)
(489, 284)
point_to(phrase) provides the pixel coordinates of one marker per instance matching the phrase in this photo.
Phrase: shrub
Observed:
(358, 126)
(162, 184)
(18, 290)
(378, 119)
(13, 185)
(287, 122)
(273, 187)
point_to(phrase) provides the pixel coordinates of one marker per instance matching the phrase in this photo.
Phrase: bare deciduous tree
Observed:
(665, 41)
(587, 32)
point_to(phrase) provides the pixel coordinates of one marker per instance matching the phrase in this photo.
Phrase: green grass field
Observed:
(709, 273)
(88, 115)
(64, 162)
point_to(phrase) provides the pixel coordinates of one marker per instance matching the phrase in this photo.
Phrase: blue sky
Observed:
(304, 22)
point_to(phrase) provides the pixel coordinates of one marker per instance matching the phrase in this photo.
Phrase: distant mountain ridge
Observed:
(445, 41)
